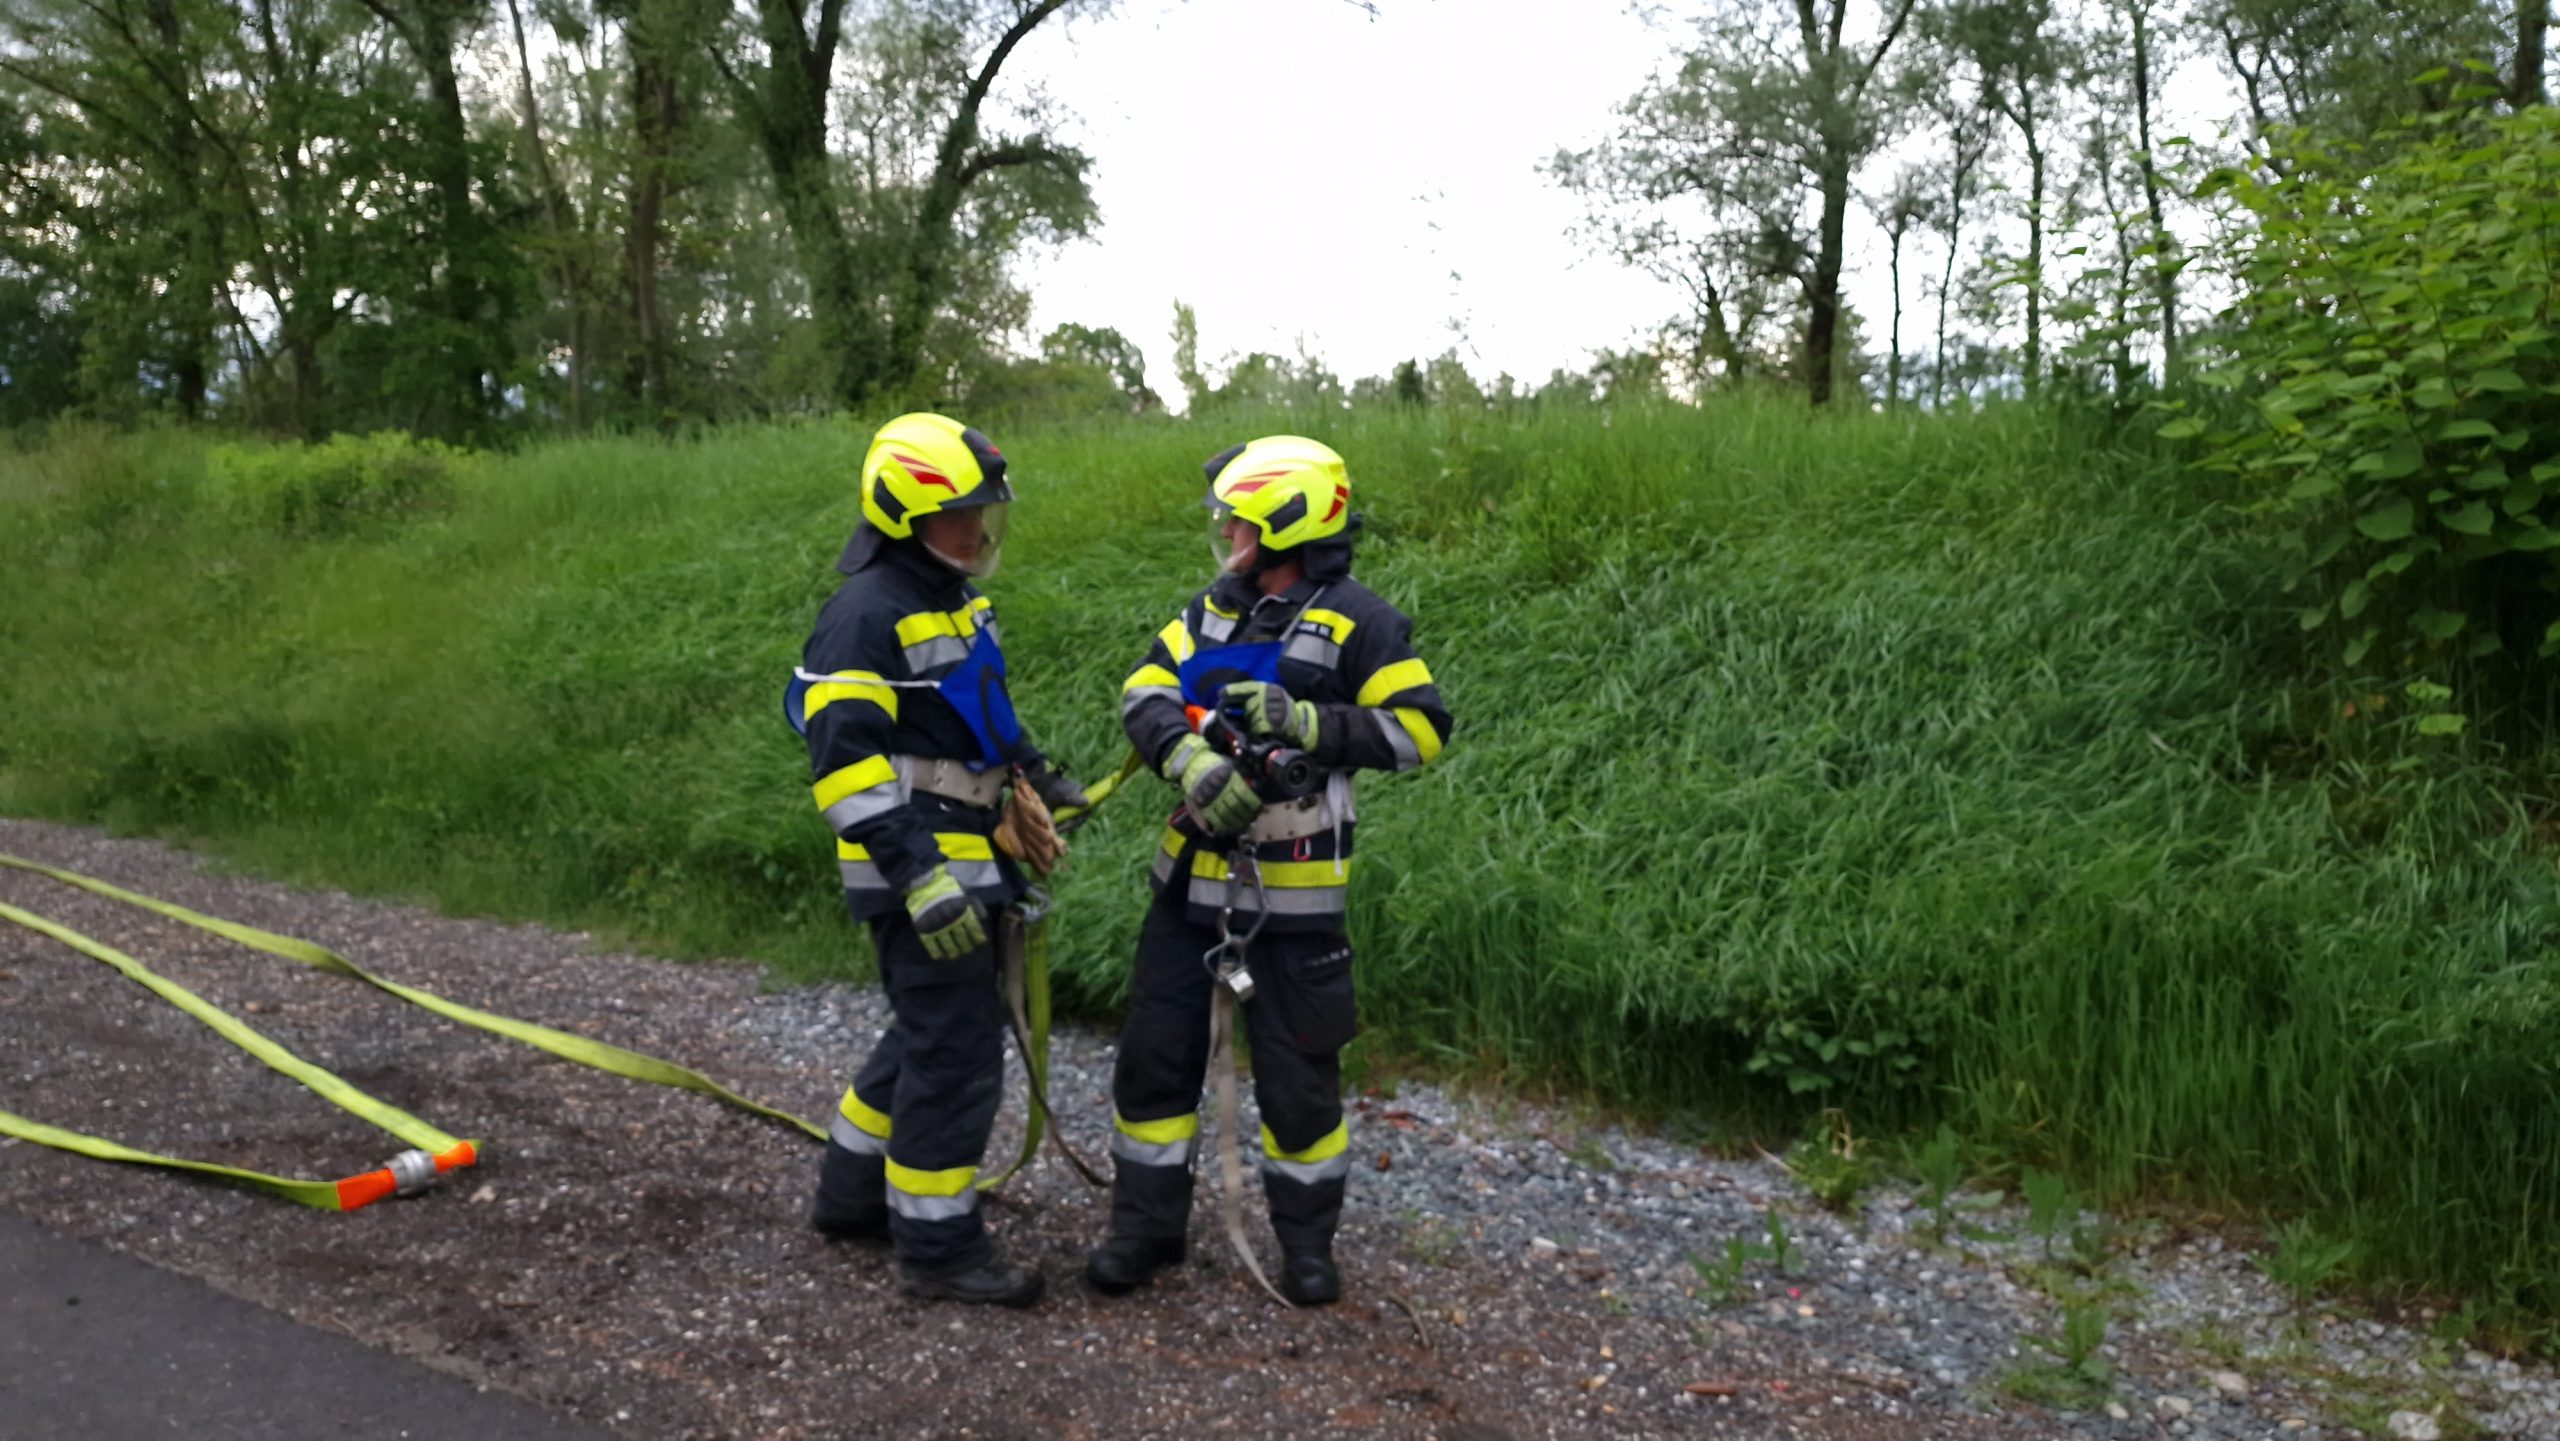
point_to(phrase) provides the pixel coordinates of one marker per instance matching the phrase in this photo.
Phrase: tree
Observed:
(1905, 205)
(1763, 126)
(2350, 68)
(876, 284)
(2019, 55)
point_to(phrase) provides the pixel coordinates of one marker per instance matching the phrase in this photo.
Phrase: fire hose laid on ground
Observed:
(433, 1152)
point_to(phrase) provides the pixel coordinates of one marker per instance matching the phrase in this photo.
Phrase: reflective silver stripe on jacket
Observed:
(972, 875)
(1215, 627)
(1280, 900)
(1130, 700)
(936, 652)
(869, 803)
(1399, 740)
(1313, 648)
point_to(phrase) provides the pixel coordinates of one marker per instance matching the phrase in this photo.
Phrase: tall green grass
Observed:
(1935, 768)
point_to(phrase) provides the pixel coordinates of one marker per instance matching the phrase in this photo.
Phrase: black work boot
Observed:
(1309, 1277)
(1124, 1262)
(990, 1283)
(853, 1197)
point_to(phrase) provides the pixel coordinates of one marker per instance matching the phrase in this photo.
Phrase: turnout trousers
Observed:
(1301, 1015)
(907, 1138)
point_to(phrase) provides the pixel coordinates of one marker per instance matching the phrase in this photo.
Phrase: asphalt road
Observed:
(102, 1347)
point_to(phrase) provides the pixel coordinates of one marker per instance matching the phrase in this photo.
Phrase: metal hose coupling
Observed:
(411, 1172)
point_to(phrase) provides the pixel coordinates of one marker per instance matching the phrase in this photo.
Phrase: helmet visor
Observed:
(1231, 554)
(970, 540)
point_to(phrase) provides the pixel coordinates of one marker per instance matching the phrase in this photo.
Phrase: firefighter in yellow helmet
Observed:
(912, 746)
(1318, 676)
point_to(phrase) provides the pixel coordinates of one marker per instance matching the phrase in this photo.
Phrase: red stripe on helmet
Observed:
(924, 474)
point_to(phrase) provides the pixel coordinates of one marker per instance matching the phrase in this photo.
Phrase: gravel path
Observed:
(635, 1257)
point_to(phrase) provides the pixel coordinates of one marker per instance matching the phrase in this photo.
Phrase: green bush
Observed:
(338, 485)
(2393, 337)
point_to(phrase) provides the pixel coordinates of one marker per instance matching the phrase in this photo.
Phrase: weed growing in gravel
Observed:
(2076, 1375)
(2050, 1200)
(2304, 1260)
(1722, 1276)
(1827, 1163)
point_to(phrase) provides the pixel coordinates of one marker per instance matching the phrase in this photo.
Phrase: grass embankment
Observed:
(1922, 767)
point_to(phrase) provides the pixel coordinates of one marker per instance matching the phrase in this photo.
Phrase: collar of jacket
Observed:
(869, 547)
(1239, 595)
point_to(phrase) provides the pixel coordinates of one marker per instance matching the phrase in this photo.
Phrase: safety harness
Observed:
(1232, 986)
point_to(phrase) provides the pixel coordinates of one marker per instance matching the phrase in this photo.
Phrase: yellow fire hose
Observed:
(433, 1152)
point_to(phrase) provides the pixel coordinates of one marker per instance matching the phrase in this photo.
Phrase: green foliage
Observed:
(1826, 1162)
(2306, 1259)
(2394, 342)
(2076, 1375)
(1958, 727)
(2050, 1202)
(337, 485)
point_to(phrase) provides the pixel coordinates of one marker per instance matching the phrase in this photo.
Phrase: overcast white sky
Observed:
(1301, 172)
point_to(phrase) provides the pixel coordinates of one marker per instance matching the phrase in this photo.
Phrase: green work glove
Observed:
(949, 922)
(1218, 795)
(1269, 711)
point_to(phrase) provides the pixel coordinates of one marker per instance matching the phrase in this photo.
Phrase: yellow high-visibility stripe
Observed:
(1158, 1133)
(1332, 620)
(1177, 640)
(1333, 1143)
(1426, 736)
(862, 775)
(866, 1120)
(925, 625)
(954, 845)
(1277, 875)
(931, 1183)
(849, 685)
(1213, 608)
(1389, 679)
(1147, 675)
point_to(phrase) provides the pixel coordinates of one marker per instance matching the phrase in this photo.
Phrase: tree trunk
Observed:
(1893, 367)
(555, 214)
(1822, 332)
(1947, 280)
(655, 115)
(199, 283)
(2533, 22)
(2035, 259)
(2164, 269)
(429, 29)
(789, 105)
(957, 163)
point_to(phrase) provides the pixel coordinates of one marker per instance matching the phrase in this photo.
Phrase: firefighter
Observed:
(1312, 659)
(913, 745)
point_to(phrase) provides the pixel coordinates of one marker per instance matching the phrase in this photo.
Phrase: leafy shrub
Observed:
(337, 486)
(2394, 338)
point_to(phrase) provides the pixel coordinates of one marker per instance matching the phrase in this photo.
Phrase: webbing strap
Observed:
(435, 1151)
(1025, 955)
(602, 1055)
(1222, 1061)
